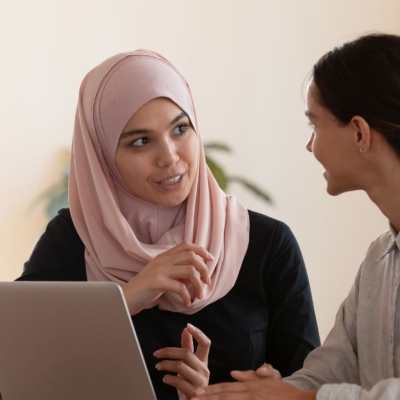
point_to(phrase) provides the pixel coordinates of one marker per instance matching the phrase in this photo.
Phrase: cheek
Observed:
(130, 168)
(315, 147)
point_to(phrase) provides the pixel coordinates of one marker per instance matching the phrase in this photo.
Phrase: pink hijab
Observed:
(121, 232)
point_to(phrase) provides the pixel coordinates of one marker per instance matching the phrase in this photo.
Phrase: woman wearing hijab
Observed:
(146, 213)
(353, 104)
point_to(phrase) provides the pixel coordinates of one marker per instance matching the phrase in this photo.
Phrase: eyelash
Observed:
(179, 127)
(184, 126)
(311, 125)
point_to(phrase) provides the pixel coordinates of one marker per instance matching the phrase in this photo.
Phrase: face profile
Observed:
(157, 153)
(332, 144)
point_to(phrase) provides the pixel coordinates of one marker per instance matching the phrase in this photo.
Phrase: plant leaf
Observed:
(218, 173)
(217, 146)
(252, 187)
(57, 202)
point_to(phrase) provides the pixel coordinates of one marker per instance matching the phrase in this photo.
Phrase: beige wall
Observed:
(246, 62)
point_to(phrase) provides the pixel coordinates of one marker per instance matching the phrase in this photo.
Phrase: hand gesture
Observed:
(264, 384)
(169, 271)
(190, 366)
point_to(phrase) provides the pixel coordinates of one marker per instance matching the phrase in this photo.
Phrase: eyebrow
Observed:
(147, 131)
(310, 115)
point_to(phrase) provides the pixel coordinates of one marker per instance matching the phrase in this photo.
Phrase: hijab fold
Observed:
(121, 232)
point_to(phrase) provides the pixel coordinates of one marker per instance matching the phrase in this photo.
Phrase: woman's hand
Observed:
(265, 383)
(191, 367)
(265, 371)
(260, 388)
(169, 271)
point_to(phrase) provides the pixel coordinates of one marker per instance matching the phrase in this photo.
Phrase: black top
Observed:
(268, 316)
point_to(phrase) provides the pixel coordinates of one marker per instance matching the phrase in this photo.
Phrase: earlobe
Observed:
(362, 133)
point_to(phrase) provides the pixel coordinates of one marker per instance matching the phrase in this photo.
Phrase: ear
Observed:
(362, 133)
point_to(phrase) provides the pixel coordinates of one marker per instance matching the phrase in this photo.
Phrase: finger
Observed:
(183, 370)
(268, 371)
(176, 353)
(203, 342)
(225, 387)
(186, 272)
(225, 396)
(244, 376)
(187, 340)
(171, 285)
(181, 384)
(191, 258)
(186, 246)
(185, 356)
(199, 250)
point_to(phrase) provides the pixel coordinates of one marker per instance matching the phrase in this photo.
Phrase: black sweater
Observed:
(268, 316)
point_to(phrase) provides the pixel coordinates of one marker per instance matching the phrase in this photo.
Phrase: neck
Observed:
(385, 193)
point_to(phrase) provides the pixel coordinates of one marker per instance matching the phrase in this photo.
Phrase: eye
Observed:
(181, 129)
(140, 142)
(311, 125)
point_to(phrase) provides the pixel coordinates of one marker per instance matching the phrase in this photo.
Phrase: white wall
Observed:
(246, 62)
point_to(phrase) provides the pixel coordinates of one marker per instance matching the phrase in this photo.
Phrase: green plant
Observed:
(225, 180)
(56, 196)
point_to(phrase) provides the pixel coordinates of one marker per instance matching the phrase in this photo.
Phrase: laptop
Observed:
(69, 341)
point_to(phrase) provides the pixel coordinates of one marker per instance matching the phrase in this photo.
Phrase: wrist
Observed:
(133, 307)
(309, 395)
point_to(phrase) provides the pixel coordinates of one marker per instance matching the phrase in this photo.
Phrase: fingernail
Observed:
(211, 256)
(192, 327)
(158, 366)
(200, 391)
(157, 353)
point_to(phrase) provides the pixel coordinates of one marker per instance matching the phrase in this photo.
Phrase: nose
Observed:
(309, 143)
(168, 154)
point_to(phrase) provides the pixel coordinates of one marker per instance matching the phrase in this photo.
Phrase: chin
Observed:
(171, 202)
(331, 188)
(335, 190)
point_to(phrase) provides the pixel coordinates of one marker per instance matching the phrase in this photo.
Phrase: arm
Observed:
(274, 389)
(387, 389)
(59, 256)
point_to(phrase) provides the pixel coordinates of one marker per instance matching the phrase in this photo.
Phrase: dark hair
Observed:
(362, 77)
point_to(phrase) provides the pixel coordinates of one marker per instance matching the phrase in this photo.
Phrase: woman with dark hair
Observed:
(146, 213)
(353, 104)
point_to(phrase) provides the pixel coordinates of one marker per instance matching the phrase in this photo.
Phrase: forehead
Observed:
(311, 103)
(311, 93)
(315, 111)
(157, 111)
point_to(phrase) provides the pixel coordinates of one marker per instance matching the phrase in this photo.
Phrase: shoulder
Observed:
(61, 228)
(380, 245)
(59, 253)
(62, 219)
(264, 228)
(272, 245)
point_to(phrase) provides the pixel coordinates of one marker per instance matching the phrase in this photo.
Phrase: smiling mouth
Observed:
(171, 181)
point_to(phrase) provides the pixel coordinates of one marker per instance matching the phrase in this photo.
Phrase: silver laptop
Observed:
(70, 341)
